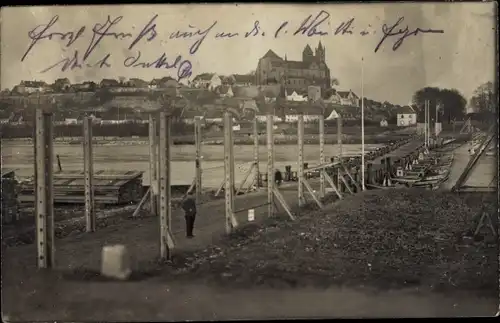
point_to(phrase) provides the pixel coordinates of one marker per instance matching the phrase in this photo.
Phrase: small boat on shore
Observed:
(430, 172)
(409, 181)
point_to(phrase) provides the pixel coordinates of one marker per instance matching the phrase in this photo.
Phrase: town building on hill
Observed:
(108, 83)
(31, 87)
(207, 81)
(137, 83)
(163, 83)
(297, 75)
(240, 80)
(331, 96)
(61, 85)
(406, 116)
(82, 87)
(296, 97)
(348, 98)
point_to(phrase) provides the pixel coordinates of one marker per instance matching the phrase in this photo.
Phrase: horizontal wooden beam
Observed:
(332, 184)
(320, 167)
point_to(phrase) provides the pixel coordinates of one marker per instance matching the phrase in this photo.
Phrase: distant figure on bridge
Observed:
(278, 177)
(189, 207)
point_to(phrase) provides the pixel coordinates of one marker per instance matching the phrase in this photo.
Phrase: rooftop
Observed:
(405, 110)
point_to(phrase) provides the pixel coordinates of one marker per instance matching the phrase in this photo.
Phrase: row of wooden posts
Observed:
(44, 209)
(159, 193)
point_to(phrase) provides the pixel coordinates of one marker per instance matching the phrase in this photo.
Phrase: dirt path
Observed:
(481, 175)
(161, 301)
(460, 161)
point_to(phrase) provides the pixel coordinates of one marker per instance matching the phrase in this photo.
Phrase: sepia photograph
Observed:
(201, 162)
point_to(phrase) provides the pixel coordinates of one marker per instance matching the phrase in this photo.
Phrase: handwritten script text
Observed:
(87, 50)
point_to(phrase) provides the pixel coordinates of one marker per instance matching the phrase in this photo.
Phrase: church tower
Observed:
(307, 54)
(320, 53)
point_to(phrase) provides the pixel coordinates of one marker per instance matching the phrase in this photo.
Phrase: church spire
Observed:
(320, 52)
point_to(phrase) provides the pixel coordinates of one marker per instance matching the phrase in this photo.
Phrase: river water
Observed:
(126, 156)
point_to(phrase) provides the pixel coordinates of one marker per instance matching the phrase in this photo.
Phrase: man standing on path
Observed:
(278, 178)
(189, 207)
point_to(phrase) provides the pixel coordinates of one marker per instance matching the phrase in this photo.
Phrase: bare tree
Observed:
(483, 98)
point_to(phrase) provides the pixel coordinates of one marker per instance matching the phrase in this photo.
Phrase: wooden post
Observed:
(256, 151)
(339, 180)
(228, 172)
(339, 135)
(322, 154)
(153, 164)
(166, 241)
(426, 102)
(59, 166)
(233, 177)
(270, 163)
(369, 175)
(383, 171)
(197, 138)
(300, 174)
(44, 190)
(88, 167)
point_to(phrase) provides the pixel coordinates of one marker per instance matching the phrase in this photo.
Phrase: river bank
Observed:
(330, 139)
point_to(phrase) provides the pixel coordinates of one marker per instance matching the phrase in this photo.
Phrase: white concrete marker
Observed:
(251, 215)
(115, 262)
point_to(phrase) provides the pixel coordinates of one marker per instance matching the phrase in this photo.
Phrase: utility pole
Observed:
(362, 127)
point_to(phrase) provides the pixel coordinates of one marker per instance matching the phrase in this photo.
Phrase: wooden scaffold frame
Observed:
(272, 191)
(466, 127)
(254, 168)
(196, 184)
(322, 167)
(44, 210)
(159, 193)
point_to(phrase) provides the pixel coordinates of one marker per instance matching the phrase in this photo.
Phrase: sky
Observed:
(461, 57)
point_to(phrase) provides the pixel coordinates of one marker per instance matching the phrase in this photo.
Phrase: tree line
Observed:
(450, 105)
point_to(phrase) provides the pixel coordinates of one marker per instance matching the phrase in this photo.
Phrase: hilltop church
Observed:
(296, 75)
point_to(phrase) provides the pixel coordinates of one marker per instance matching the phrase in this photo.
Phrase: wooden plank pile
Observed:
(110, 188)
(9, 202)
